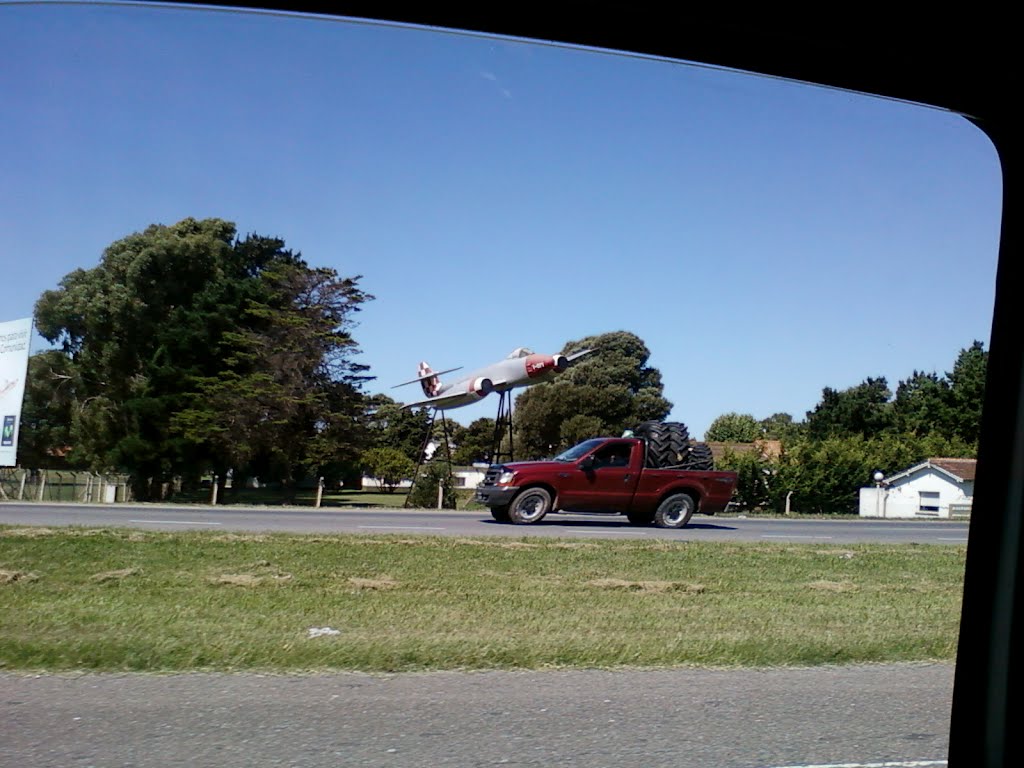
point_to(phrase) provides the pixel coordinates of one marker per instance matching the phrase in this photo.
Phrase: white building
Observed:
(464, 477)
(938, 488)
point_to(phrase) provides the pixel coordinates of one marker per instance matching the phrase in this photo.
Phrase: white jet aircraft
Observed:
(522, 368)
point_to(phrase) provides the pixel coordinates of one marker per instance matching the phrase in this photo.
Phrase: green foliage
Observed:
(190, 349)
(861, 410)
(473, 443)
(424, 490)
(390, 426)
(780, 426)
(825, 476)
(604, 393)
(734, 428)
(45, 434)
(389, 465)
(925, 404)
(753, 477)
(967, 392)
(580, 427)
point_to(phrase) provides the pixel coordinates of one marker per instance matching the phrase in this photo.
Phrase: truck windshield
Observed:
(579, 450)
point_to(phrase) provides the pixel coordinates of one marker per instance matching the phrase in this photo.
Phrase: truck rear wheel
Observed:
(530, 506)
(500, 514)
(675, 511)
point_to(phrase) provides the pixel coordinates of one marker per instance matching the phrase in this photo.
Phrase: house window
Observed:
(460, 481)
(929, 501)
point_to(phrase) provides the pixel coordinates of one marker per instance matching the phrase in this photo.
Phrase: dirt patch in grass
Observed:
(240, 537)
(833, 586)
(497, 544)
(646, 586)
(842, 554)
(10, 577)
(250, 579)
(253, 575)
(28, 533)
(108, 576)
(381, 582)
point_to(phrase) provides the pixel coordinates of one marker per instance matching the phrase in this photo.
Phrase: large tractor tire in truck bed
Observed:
(700, 458)
(668, 443)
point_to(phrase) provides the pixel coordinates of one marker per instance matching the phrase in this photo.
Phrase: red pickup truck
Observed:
(605, 474)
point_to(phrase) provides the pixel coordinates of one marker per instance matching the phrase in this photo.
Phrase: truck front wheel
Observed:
(675, 511)
(530, 506)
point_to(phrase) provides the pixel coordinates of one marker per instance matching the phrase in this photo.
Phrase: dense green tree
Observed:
(922, 405)
(580, 427)
(424, 491)
(734, 428)
(780, 426)
(753, 477)
(192, 349)
(391, 426)
(475, 442)
(44, 438)
(388, 465)
(861, 410)
(613, 387)
(967, 391)
(286, 399)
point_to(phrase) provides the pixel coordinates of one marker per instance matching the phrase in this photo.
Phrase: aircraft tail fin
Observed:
(429, 380)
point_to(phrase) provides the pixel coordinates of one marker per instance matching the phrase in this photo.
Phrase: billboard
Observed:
(15, 337)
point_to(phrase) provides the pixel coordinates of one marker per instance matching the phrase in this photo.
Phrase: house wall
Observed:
(903, 498)
(464, 478)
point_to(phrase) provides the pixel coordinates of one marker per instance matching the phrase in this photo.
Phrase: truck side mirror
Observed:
(587, 463)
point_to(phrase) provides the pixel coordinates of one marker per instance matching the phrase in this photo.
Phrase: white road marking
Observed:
(895, 764)
(942, 538)
(793, 536)
(608, 533)
(404, 527)
(175, 522)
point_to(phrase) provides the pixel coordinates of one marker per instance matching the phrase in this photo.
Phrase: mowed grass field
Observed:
(103, 599)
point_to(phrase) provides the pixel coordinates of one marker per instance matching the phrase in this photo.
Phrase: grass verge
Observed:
(103, 599)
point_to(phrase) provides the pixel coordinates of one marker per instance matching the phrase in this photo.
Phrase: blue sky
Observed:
(765, 238)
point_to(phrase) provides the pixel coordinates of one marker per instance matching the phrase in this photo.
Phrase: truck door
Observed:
(607, 485)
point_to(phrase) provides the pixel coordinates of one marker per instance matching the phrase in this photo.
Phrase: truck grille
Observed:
(492, 475)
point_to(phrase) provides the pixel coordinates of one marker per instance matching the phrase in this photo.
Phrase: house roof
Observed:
(960, 470)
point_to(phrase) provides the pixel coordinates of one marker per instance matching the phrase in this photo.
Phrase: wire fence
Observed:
(63, 485)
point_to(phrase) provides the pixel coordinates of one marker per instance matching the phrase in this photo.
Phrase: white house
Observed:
(937, 487)
(464, 477)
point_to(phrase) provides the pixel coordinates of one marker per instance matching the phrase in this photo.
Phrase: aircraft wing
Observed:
(578, 355)
(441, 401)
(427, 376)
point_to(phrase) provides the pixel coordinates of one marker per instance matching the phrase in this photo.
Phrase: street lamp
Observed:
(878, 477)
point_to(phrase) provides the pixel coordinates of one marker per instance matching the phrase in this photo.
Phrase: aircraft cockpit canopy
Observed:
(519, 352)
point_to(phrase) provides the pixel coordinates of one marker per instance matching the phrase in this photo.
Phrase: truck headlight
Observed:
(505, 478)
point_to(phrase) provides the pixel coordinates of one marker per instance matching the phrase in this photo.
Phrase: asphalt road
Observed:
(892, 715)
(462, 523)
